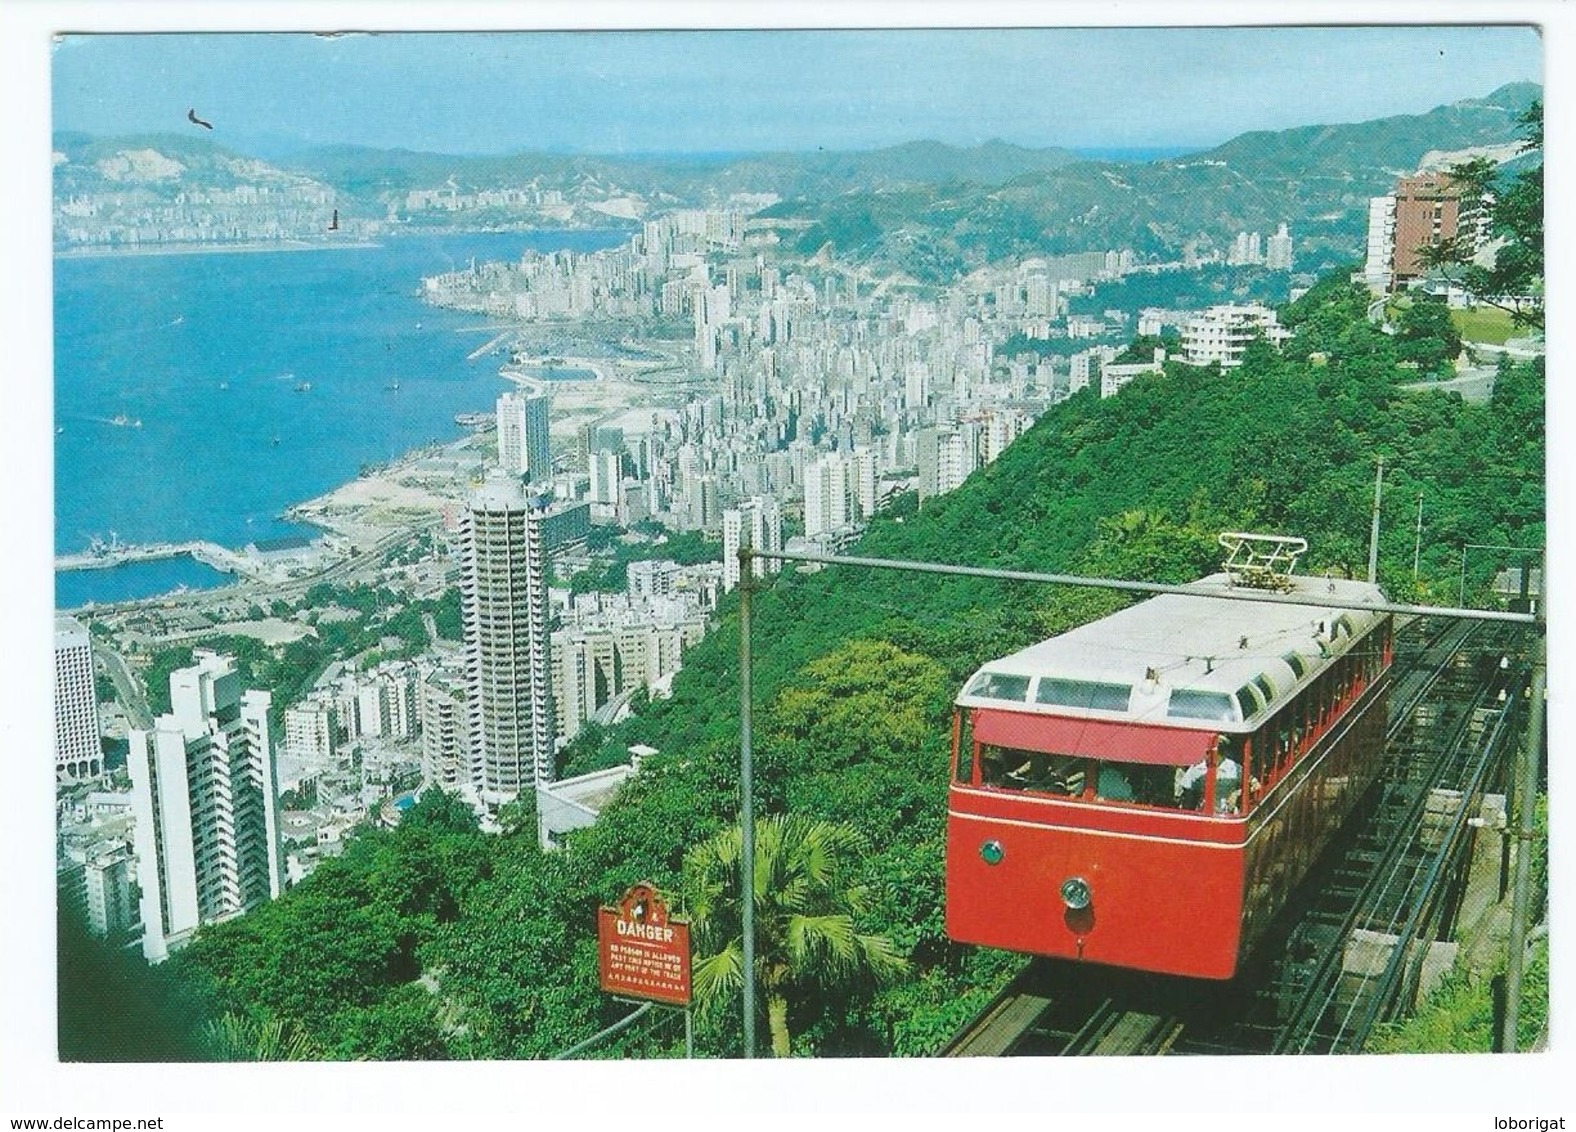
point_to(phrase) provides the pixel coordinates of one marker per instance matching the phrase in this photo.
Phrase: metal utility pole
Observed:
(1417, 545)
(1373, 534)
(746, 799)
(1526, 825)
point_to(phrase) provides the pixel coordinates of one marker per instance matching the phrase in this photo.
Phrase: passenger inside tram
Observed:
(1190, 784)
(1068, 775)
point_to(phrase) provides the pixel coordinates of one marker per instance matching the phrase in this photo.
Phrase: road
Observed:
(126, 687)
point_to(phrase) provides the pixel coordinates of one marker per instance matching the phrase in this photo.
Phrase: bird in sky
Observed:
(191, 116)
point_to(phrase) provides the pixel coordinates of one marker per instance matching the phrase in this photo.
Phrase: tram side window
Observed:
(1015, 769)
(1285, 749)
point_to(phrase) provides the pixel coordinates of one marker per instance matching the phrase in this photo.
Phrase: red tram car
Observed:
(1144, 791)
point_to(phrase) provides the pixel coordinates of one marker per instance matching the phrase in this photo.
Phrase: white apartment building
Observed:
(78, 753)
(507, 649)
(657, 577)
(825, 495)
(96, 881)
(310, 731)
(1222, 333)
(762, 518)
(1114, 378)
(1277, 250)
(205, 798)
(1377, 272)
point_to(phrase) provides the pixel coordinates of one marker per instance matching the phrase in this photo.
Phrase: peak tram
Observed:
(1146, 790)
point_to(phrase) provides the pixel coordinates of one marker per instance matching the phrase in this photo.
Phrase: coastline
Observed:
(250, 246)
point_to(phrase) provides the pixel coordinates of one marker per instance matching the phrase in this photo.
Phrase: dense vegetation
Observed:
(434, 941)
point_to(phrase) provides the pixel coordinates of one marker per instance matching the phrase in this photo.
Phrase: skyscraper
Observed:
(205, 798)
(524, 448)
(1277, 251)
(508, 670)
(78, 754)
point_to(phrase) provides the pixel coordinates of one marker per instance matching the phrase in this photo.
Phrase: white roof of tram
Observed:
(1217, 652)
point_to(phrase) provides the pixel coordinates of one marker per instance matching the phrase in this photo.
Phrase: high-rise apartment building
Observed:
(1277, 250)
(205, 798)
(1427, 212)
(445, 728)
(762, 519)
(1381, 244)
(78, 753)
(825, 495)
(523, 441)
(1424, 210)
(508, 670)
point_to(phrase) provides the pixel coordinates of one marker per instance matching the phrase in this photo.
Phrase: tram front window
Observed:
(1032, 770)
(1138, 783)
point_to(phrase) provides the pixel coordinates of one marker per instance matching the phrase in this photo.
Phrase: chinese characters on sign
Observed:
(643, 953)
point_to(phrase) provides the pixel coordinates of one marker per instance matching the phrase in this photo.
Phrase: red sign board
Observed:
(642, 952)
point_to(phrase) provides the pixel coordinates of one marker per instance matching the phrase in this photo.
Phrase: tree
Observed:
(1514, 214)
(239, 1037)
(1425, 335)
(805, 905)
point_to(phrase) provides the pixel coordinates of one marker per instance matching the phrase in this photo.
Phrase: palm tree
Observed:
(240, 1037)
(805, 904)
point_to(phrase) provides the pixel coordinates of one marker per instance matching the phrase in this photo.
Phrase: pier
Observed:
(106, 557)
(489, 347)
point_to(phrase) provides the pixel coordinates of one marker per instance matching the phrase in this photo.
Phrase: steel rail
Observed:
(1387, 879)
(1423, 906)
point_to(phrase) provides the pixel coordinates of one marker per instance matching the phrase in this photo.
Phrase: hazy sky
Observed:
(722, 91)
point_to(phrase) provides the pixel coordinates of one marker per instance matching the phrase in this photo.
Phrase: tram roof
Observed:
(1224, 656)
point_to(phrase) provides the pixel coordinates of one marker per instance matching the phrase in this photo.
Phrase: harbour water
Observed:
(197, 397)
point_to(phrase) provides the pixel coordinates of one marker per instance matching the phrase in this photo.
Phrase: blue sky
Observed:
(727, 91)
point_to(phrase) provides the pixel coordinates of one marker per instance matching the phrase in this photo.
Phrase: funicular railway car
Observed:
(1146, 790)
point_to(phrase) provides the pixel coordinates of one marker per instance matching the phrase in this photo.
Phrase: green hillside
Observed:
(434, 941)
(1316, 178)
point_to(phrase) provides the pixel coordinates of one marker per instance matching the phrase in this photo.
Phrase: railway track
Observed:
(1445, 732)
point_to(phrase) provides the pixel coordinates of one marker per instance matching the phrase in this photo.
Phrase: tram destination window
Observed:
(1086, 694)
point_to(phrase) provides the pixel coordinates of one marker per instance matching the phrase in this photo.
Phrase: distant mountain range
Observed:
(924, 208)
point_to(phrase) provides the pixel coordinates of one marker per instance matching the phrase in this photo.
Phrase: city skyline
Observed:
(685, 92)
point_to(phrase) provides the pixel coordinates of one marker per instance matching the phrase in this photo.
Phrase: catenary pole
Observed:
(1526, 824)
(746, 801)
(1417, 543)
(1373, 533)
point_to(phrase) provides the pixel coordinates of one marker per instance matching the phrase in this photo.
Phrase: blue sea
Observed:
(198, 396)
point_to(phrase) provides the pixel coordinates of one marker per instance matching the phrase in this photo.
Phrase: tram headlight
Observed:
(1076, 894)
(992, 852)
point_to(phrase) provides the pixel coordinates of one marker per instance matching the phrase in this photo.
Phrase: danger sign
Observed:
(642, 952)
